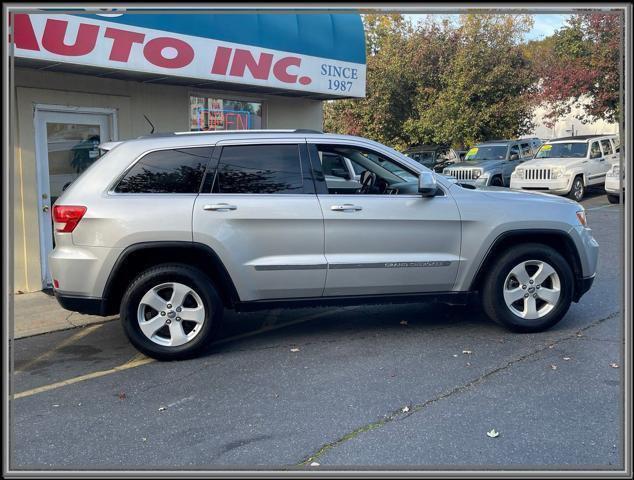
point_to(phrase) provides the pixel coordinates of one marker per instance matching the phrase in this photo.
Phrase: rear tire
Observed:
(538, 305)
(613, 198)
(578, 189)
(177, 330)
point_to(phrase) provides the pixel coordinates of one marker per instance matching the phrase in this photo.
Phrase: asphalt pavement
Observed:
(384, 387)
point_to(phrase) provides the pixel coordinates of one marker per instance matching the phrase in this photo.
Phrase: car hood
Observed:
(504, 194)
(553, 162)
(484, 164)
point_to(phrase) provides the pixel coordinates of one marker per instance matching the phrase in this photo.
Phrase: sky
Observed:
(544, 25)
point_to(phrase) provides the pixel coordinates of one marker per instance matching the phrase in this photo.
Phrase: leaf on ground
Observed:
(314, 464)
(566, 358)
(162, 409)
(614, 365)
(467, 352)
(122, 396)
(294, 349)
(405, 409)
(455, 355)
(553, 367)
(493, 434)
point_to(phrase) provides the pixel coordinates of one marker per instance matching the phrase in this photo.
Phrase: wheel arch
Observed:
(140, 256)
(557, 239)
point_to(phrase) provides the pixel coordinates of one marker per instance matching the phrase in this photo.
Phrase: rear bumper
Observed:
(85, 305)
(582, 285)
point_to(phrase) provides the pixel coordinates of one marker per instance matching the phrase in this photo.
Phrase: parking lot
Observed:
(392, 386)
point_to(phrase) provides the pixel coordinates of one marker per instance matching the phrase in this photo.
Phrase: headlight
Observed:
(519, 173)
(445, 171)
(557, 172)
(581, 216)
(477, 173)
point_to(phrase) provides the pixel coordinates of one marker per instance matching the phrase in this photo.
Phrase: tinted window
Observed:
(259, 169)
(330, 162)
(515, 150)
(607, 147)
(595, 151)
(167, 171)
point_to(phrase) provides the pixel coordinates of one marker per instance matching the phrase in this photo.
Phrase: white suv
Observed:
(566, 166)
(169, 230)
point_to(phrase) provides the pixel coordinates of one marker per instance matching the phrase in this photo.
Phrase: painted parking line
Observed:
(137, 361)
(69, 341)
(141, 359)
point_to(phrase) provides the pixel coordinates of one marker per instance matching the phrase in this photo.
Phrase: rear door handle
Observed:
(220, 207)
(346, 207)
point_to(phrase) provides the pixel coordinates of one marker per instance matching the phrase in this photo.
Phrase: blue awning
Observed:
(336, 36)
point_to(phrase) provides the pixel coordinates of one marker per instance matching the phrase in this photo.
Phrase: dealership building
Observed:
(79, 80)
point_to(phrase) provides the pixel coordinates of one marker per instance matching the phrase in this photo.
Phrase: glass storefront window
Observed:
(221, 114)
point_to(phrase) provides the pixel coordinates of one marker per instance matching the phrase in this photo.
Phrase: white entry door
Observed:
(66, 143)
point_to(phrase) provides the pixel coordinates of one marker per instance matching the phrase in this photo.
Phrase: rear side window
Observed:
(607, 147)
(167, 171)
(526, 150)
(259, 169)
(595, 151)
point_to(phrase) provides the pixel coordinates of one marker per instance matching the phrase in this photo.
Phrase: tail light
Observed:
(66, 217)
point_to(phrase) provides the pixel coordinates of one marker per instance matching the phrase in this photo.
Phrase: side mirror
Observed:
(427, 186)
(341, 173)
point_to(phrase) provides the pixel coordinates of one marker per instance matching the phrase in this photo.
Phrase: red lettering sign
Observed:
(55, 32)
(122, 42)
(153, 52)
(244, 59)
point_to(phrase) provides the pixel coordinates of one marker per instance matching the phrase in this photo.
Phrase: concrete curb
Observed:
(37, 313)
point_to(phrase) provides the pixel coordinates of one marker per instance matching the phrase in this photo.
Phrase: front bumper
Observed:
(582, 285)
(612, 185)
(559, 186)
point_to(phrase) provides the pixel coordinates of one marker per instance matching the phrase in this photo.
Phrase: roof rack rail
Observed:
(221, 132)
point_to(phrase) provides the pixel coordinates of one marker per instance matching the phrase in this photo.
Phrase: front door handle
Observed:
(220, 207)
(346, 207)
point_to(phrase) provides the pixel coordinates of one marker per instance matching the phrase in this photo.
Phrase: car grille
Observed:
(537, 174)
(463, 173)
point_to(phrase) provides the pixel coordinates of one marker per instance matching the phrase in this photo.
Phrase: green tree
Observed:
(482, 91)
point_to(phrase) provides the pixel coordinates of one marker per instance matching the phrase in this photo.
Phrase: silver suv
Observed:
(169, 230)
(492, 163)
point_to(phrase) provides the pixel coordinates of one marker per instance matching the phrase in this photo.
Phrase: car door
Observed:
(609, 153)
(391, 242)
(258, 211)
(596, 166)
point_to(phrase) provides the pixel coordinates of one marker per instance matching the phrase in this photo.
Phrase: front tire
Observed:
(497, 182)
(613, 198)
(578, 189)
(529, 289)
(171, 311)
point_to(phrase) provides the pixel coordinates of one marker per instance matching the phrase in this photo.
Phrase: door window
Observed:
(332, 163)
(515, 150)
(606, 146)
(595, 150)
(387, 176)
(259, 169)
(526, 150)
(167, 171)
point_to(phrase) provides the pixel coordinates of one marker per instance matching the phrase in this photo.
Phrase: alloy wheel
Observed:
(532, 289)
(171, 314)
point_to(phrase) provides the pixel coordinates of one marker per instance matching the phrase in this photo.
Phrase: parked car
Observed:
(566, 166)
(615, 183)
(170, 230)
(435, 157)
(491, 163)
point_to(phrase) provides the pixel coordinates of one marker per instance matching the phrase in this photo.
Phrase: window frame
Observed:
(209, 179)
(111, 190)
(224, 96)
(320, 179)
(610, 145)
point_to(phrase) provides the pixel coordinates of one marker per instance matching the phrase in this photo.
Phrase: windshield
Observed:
(487, 152)
(563, 150)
